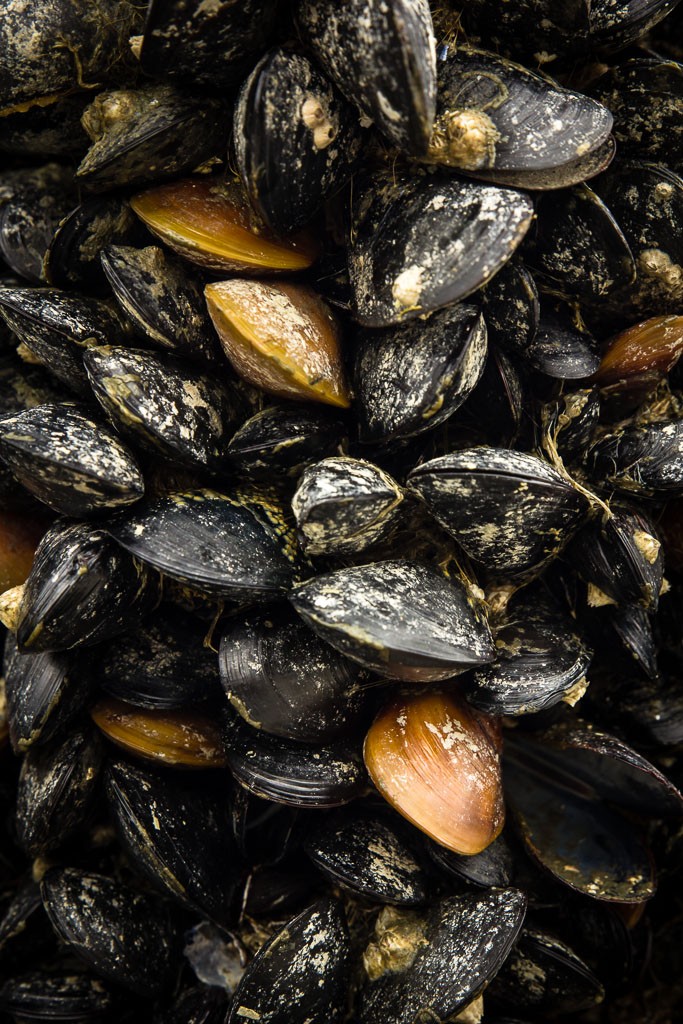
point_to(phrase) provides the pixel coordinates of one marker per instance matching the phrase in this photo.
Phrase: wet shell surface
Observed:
(382, 56)
(289, 115)
(280, 337)
(510, 511)
(437, 762)
(344, 505)
(409, 378)
(69, 461)
(427, 242)
(216, 544)
(448, 957)
(310, 953)
(402, 619)
(483, 99)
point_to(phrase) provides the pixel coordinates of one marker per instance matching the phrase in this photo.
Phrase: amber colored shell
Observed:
(281, 338)
(436, 760)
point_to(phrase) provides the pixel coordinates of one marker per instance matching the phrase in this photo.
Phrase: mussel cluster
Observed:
(341, 511)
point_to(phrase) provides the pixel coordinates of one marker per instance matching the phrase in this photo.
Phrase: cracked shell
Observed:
(69, 461)
(426, 242)
(510, 511)
(400, 618)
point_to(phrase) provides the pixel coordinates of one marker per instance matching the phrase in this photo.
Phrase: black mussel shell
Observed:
(57, 326)
(82, 589)
(511, 307)
(121, 935)
(22, 927)
(44, 692)
(73, 259)
(647, 203)
(383, 58)
(546, 31)
(621, 556)
(166, 406)
(510, 511)
(56, 788)
(579, 246)
(426, 242)
(163, 665)
(28, 222)
(283, 440)
(562, 347)
(403, 619)
(38, 60)
(177, 833)
(209, 45)
(645, 96)
(368, 858)
(576, 837)
(309, 956)
(410, 378)
(199, 1005)
(494, 867)
(343, 506)
(569, 423)
(633, 627)
(483, 99)
(617, 772)
(296, 139)
(163, 299)
(67, 460)
(459, 947)
(544, 974)
(541, 660)
(279, 890)
(645, 460)
(72, 997)
(23, 387)
(502, 391)
(265, 832)
(149, 134)
(288, 772)
(220, 546)
(283, 679)
(51, 131)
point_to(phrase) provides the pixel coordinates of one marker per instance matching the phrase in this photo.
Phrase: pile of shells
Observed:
(341, 507)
